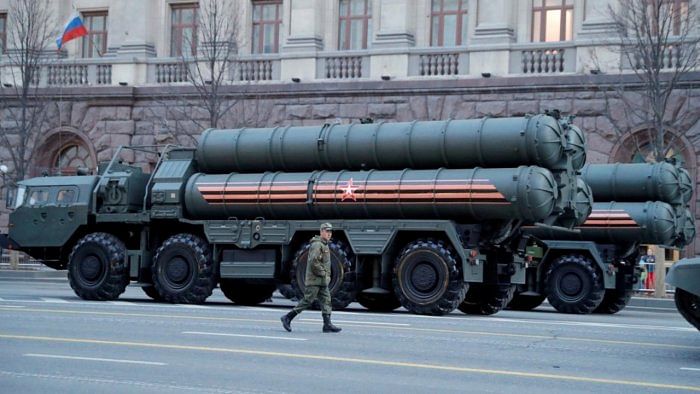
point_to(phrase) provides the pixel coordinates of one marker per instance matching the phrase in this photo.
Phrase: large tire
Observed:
(98, 268)
(287, 291)
(614, 301)
(688, 304)
(525, 302)
(183, 271)
(379, 302)
(483, 299)
(343, 286)
(244, 293)
(152, 292)
(426, 278)
(574, 285)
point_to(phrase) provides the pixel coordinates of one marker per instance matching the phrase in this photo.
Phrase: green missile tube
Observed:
(489, 142)
(527, 193)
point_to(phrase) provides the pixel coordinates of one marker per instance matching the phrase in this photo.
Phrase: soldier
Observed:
(318, 276)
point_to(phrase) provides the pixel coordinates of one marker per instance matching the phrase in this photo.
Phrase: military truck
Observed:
(685, 276)
(415, 224)
(593, 268)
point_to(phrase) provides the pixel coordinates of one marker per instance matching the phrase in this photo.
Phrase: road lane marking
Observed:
(416, 329)
(690, 369)
(54, 300)
(360, 322)
(243, 335)
(110, 360)
(588, 324)
(352, 360)
(154, 387)
(14, 306)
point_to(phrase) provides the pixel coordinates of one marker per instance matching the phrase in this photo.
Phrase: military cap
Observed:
(326, 226)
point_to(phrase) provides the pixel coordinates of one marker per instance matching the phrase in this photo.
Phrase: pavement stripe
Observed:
(243, 335)
(151, 387)
(54, 300)
(690, 369)
(588, 324)
(111, 360)
(360, 322)
(428, 330)
(365, 361)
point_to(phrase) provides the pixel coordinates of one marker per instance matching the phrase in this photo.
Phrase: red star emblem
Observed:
(349, 191)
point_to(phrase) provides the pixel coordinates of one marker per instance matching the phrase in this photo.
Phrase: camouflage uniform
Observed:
(318, 277)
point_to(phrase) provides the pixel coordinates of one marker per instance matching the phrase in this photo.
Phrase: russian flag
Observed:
(74, 28)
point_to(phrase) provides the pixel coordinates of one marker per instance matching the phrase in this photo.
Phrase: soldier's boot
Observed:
(287, 320)
(328, 326)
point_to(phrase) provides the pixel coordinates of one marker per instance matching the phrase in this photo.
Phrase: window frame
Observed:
(3, 33)
(88, 40)
(366, 18)
(176, 29)
(542, 9)
(258, 48)
(460, 13)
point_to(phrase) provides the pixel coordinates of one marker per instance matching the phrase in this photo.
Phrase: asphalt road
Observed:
(51, 341)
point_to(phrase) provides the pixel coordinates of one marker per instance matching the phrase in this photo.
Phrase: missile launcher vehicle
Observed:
(422, 210)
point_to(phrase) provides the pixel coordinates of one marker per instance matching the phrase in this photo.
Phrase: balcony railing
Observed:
(343, 67)
(543, 59)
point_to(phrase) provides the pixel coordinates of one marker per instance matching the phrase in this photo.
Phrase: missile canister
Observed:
(489, 142)
(636, 182)
(577, 143)
(686, 227)
(651, 222)
(526, 193)
(686, 184)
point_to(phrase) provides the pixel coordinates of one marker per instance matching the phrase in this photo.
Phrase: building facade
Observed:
(304, 62)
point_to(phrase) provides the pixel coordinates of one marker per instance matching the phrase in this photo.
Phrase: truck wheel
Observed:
(614, 301)
(183, 270)
(688, 304)
(97, 267)
(152, 292)
(426, 279)
(244, 293)
(342, 287)
(574, 285)
(525, 302)
(483, 299)
(379, 302)
(287, 291)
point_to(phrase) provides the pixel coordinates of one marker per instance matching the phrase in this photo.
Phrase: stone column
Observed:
(135, 42)
(596, 25)
(304, 21)
(494, 26)
(392, 21)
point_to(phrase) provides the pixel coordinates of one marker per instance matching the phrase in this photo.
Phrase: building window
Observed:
(552, 20)
(95, 43)
(355, 25)
(183, 30)
(448, 23)
(680, 16)
(3, 32)
(267, 18)
(70, 158)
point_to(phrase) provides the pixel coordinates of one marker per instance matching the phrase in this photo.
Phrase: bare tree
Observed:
(207, 61)
(658, 42)
(30, 30)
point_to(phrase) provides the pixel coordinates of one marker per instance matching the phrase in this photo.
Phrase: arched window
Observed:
(70, 158)
(638, 147)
